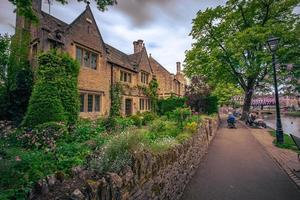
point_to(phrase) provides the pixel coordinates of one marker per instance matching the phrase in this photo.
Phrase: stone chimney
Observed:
(20, 20)
(178, 67)
(138, 46)
(37, 5)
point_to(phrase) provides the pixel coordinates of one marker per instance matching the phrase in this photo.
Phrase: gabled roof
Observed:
(135, 58)
(121, 59)
(153, 61)
(52, 23)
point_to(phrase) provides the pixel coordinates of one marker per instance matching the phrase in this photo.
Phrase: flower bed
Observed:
(30, 157)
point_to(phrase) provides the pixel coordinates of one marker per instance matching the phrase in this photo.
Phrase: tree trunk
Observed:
(247, 103)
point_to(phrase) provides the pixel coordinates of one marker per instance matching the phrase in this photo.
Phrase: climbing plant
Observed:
(115, 94)
(15, 74)
(55, 93)
(151, 91)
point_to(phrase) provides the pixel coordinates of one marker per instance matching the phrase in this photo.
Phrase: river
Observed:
(290, 124)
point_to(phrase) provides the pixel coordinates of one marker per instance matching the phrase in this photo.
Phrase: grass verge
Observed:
(288, 142)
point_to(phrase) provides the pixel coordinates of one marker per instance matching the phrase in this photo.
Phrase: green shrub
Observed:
(44, 106)
(3, 103)
(115, 95)
(86, 130)
(137, 120)
(118, 124)
(163, 145)
(19, 96)
(68, 155)
(191, 127)
(114, 155)
(20, 168)
(183, 137)
(55, 93)
(43, 135)
(124, 123)
(148, 117)
(157, 126)
(162, 129)
(68, 88)
(212, 105)
(170, 104)
(180, 115)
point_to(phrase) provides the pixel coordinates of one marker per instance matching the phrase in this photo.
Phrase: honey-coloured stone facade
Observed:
(101, 64)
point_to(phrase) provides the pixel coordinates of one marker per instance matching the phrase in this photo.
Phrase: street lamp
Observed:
(273, 45)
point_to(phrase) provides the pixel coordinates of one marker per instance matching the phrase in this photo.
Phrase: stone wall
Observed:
(152, 176)
(161, 176)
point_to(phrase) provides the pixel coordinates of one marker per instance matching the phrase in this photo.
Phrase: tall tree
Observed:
(199, 96)
(4, 87)
(25, 6)
(225, 93)
(230, 42)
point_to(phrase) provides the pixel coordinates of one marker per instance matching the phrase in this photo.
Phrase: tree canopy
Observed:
(25, 6)
(225, 93)
(230, 42)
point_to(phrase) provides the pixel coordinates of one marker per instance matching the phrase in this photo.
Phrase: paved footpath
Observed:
(237, 167)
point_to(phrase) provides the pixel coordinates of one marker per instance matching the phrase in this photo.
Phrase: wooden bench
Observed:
(297, 142)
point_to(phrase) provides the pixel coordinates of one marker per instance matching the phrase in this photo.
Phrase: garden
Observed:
(30, 155)
(51, 140)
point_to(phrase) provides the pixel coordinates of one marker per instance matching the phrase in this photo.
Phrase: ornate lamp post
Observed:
(272, 45)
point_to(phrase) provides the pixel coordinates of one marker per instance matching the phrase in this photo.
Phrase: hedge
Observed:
(55, 93)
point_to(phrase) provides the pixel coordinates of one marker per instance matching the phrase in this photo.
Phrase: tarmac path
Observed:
(238, 168)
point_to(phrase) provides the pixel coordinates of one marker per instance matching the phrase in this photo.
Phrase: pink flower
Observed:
(17, 158)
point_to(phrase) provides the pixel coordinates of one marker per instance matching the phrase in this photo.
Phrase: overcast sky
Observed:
(164, 25)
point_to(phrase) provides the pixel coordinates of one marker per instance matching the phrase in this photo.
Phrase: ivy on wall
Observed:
(115, 94)
(55, 93)
(16, 74)
(151, 91)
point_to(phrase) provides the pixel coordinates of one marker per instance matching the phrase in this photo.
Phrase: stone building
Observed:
(101, 64)
(169, 84)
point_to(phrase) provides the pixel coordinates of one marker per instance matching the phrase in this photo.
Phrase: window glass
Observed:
(142, 104)
(90, 103)
(81, 102)
(144, 77)
(93, 61)
(86, 58)
(125, 77)
(97, 103)
(129, 78)
(121, 76)
(79, 54)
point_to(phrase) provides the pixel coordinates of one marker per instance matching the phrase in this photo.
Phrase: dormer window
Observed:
(86, 58)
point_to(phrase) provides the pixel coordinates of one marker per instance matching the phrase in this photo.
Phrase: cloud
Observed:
(164, 25)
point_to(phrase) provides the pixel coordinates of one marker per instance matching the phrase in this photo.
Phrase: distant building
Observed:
(101, 64)
(269, 100)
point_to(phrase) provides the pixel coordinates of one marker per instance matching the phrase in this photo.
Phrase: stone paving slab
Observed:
(286, 158)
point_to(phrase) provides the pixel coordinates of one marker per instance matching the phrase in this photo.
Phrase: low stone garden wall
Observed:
(152, 176)
(161, 176)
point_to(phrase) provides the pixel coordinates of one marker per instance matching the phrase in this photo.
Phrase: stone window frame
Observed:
(144, 104)
(145, 77)
(84, 106)
(125, 76)
(91, 64)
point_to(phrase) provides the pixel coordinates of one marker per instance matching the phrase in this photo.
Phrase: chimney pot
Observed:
(37, 5)
(178, 67)
(138, 46)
